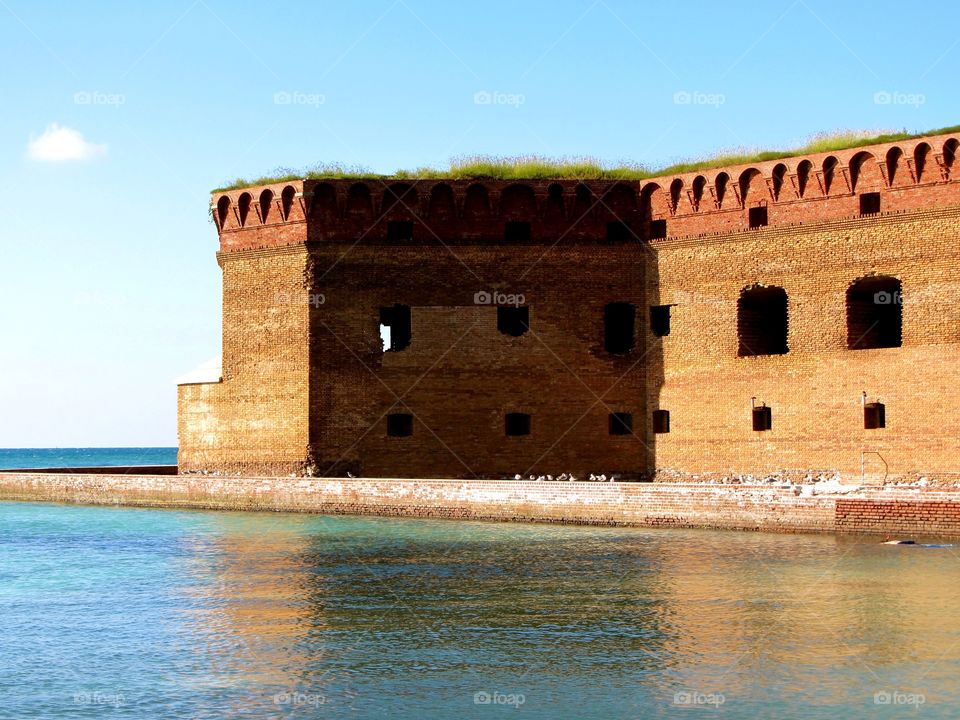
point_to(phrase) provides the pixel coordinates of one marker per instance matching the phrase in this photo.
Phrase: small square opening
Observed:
(399, 230)
(399, 425)
(516, 424)
(618, 231)
(874, 416)
(516, 231)
(758, 216)
(513, 321)
(762, 418)
(661, 421)
(658, 229)
(660, 320)
(620, 423)
(869, 203)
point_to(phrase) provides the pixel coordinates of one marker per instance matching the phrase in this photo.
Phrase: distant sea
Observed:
(85, 457)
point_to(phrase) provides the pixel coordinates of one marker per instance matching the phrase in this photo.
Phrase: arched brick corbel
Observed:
(911, 166)
(540, 198)
(942, 166)
(795, 184)
(341, 190)
(845, 174)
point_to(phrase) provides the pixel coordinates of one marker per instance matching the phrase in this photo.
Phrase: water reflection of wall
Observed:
(251, 621)
(799, 616)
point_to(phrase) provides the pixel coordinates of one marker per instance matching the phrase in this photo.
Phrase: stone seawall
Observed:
(892, 511)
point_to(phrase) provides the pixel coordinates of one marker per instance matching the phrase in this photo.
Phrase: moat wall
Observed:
(910, 512)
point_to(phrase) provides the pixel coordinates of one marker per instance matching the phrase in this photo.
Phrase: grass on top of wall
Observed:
(537, 167)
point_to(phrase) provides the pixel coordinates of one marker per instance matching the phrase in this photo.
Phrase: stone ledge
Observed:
(905, 511)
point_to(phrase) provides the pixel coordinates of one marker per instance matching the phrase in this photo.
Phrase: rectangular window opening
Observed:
(516, 231)
(516, 424)
(399, 425)
(618, 322)
(660, 320)
(399, 230)
(874, 416)
(758, 216)
(620, 423)
(658, 229)
(762, 418)
(661, 421)
(395, 327)
(869, 203)
(618, 231)
(513, 321)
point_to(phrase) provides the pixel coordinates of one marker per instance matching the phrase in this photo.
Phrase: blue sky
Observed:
(118, 118)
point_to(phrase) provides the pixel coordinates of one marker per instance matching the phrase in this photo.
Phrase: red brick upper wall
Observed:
(911, 174)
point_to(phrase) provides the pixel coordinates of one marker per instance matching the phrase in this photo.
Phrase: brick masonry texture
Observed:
(900, 512)
(308, 265)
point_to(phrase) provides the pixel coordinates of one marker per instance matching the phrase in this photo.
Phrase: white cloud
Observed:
(62, 144)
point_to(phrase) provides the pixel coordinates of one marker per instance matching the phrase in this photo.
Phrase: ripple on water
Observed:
(190, 614)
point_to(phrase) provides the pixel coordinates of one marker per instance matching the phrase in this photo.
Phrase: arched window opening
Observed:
(442, 203)
(582, 202)
(554, 208)
(893, 164)
(748, 180)
(223, 209)
(699, 183)
(829, 173)
(720, 187)
(859, 168)
(266, 200)
(920, 154)
(803, 176)
(676, 188)
(950, 155)
(517, 202)
(286, 200)
(359, 203)
(476, 203)
(243, 207)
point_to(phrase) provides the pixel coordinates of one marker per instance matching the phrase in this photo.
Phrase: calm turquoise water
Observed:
(108, 612)
(85, 457)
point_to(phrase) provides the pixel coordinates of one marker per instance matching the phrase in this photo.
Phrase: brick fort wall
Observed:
(313, 268)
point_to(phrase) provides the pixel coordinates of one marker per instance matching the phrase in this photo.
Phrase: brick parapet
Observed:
(909, 175)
